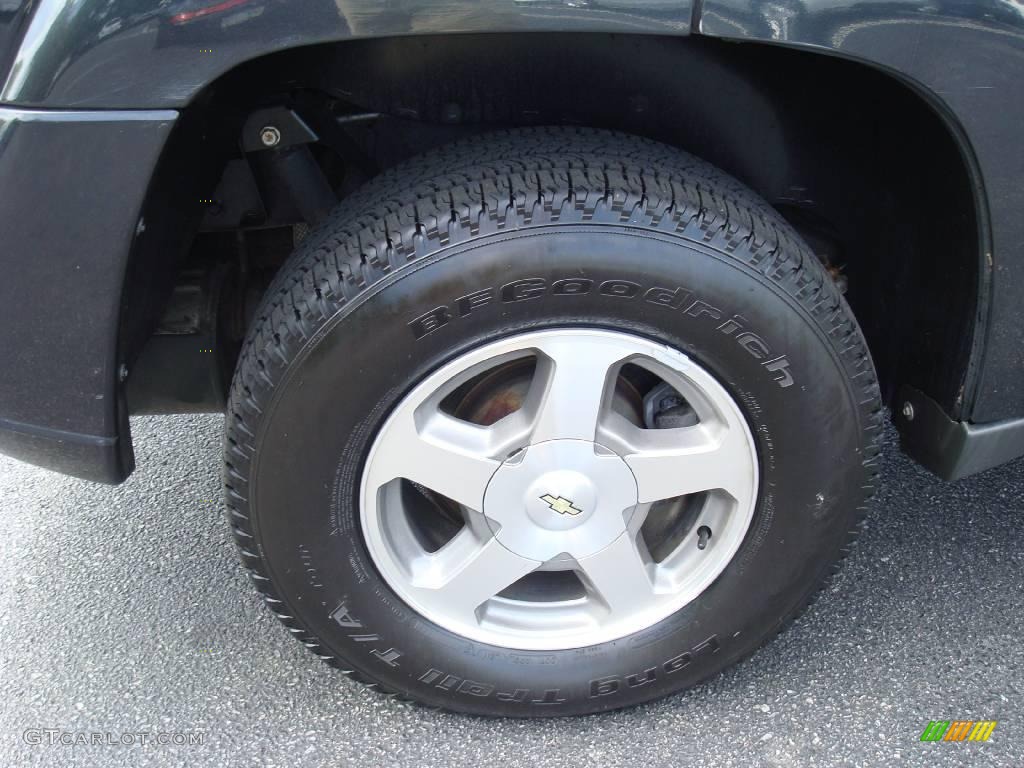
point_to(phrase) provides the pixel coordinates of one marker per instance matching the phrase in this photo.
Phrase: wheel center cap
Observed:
(560, 497)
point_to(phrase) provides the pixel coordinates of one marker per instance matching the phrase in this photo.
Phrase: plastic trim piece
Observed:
(67, 236)
(90, 457)
(954, 449)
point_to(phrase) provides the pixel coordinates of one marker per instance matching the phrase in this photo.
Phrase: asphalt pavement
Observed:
(124, 610)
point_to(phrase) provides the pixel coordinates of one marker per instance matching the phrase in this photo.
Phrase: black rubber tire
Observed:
(523, 230)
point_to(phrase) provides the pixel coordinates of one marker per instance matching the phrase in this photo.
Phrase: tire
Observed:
(527, 231)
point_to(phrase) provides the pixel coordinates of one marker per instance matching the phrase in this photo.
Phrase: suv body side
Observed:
(92, 91)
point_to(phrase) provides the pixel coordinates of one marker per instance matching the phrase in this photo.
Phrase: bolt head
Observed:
(908, 411)
(270, 136)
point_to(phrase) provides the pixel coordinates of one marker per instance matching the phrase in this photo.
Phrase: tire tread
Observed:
(502, 181)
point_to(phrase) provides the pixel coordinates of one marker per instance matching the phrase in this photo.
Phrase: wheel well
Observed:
(872, 173)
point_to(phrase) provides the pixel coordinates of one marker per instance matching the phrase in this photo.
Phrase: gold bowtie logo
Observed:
(560, 505)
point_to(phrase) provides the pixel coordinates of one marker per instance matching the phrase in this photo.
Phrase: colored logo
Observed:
(958, 730)
(560, 505)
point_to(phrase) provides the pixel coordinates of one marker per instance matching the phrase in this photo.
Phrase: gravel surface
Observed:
(125, 610)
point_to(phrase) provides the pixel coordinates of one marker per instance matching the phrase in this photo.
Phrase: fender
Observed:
(134, 53)
(135, 62)
(967, 59)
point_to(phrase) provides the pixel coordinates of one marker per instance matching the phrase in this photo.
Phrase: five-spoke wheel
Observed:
(528, 530)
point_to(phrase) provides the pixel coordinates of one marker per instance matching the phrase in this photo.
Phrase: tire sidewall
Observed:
(767, 350)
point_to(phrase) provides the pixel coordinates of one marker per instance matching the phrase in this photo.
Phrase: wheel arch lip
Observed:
(53, 94)
(980, 103)
(985, 261)
(60, 297)
(184, 59)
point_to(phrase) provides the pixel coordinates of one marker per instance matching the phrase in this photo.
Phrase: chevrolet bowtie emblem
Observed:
(560, 505)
